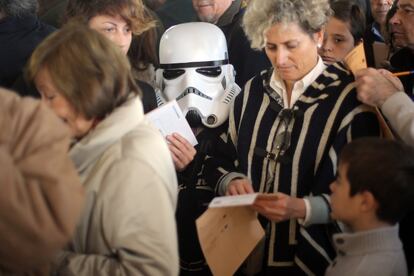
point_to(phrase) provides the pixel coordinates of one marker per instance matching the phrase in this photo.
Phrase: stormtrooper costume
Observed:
(195, 71)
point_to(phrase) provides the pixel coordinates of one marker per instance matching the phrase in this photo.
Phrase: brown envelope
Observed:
(227, 236)
(355, 61)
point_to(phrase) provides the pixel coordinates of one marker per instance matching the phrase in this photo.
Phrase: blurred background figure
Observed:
(344, 31)
(228, 15)
(154, 4)
(128, 226)
(20, 32)
(41, 197)
(375, 33)
(51, 11)
(174, 12)
(379, 10)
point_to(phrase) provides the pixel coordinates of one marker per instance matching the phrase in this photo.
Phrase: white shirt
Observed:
(299, 86)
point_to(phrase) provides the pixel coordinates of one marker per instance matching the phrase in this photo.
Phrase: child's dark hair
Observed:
(349, 11)
(386, 169)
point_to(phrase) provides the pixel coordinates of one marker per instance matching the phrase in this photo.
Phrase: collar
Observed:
(375, 29)
(230, 13)
(360, 243)
(300, 86)
(110, 130)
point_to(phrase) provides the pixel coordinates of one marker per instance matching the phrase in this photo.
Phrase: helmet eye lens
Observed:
(209, 71)
(171, 74)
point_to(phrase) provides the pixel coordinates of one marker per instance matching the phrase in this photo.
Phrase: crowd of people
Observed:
(91, 187)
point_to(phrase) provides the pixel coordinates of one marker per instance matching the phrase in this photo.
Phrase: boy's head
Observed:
(375, 176)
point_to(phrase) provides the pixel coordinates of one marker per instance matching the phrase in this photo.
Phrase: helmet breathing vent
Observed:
(229, 97)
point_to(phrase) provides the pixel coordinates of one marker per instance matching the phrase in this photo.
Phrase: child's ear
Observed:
(368, 202)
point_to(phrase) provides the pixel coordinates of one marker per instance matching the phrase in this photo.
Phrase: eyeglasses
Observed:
(282, 140)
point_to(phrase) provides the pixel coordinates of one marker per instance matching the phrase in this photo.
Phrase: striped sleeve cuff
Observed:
(225, 180)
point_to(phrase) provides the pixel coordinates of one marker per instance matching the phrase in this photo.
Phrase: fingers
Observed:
(248, 188)
(277, 207)
(393, 80)
(180, 143)
(239, 187)
(364, 72)
(182, 151)
(178, 164)
(271, 209)
(375, 86)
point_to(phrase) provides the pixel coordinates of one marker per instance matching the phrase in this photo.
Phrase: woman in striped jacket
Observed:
(286, 130)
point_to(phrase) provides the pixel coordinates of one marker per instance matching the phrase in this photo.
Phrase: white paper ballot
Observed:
(239, 200)
(169, 118)
(233, 201)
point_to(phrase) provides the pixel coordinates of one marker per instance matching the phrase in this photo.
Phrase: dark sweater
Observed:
(403, 60)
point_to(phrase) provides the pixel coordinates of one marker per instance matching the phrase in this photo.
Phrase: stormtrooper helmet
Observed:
(195, 71)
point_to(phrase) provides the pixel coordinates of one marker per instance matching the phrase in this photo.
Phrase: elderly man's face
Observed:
(404, 19)
(211, 10)
(379, 9)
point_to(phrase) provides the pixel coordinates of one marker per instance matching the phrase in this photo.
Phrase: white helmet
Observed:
(195, 70)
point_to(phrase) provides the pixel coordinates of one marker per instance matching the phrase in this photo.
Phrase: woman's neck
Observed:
(289, 88)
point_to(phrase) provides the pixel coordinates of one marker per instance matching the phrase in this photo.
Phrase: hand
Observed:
(239, 187)
(181, 150)
(374, 87)
(280, 207)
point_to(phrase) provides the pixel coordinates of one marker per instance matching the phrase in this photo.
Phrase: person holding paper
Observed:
(127, 226)
(287, 128)
(343, 31)
(381, 89)
(198, 75)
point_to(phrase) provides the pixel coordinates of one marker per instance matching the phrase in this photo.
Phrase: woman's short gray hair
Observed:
(310, 15)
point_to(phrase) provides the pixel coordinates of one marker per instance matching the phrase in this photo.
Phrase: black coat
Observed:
(403, 60)
(18, 38)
